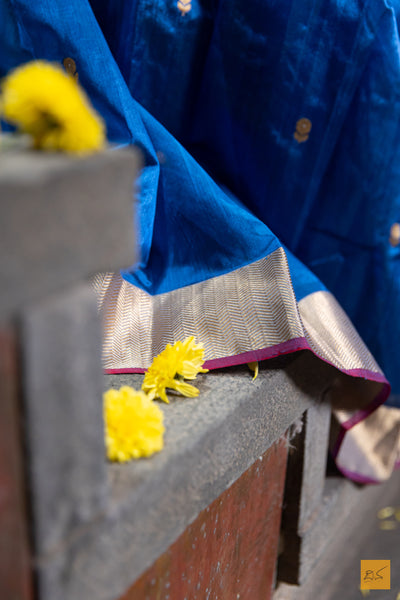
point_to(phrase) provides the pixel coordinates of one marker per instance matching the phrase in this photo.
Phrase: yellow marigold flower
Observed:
(175, 363)
(47, 103)
(133, 424)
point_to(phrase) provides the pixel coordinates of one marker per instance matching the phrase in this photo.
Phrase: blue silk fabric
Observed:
(214, 98)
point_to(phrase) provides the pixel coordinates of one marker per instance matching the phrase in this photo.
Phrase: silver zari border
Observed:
(249, 309)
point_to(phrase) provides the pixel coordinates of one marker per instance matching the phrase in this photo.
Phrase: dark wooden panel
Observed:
(15, 574)
(230, 550)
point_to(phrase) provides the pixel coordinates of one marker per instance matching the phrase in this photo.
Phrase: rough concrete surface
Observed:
(210, 441)
(63, 219)
(61, 344)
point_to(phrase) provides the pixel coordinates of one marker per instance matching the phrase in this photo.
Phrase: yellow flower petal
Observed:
(133, 424)
(183, 360)
(161, 374)
(253, 366)
(386, 512)
(186, 389)
(191, 358)
(48, 104)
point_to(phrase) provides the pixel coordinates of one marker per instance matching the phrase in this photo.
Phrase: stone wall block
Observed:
(209, 442)
(63, 219)
(316, 436)
(230, 550)
(63, 407)
(15, 554)
(304, 494)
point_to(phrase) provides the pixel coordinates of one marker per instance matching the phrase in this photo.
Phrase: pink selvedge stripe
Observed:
(363, 413)
(122, 371)
(360, 415)
(292, 345)
(301, 344)
(357, 477)
(365, 374)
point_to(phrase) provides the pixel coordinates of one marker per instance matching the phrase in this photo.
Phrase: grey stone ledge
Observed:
(63, 220)
(210, 441)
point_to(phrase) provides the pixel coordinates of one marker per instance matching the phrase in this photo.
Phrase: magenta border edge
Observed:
(295, 345)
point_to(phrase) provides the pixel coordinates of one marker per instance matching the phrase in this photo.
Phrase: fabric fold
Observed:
(270, 136)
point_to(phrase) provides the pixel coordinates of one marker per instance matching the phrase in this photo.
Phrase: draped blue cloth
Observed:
(214, 98)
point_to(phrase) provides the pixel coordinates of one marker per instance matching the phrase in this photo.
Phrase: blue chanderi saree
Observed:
(270, 194)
